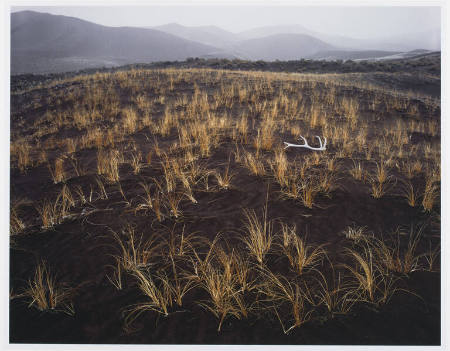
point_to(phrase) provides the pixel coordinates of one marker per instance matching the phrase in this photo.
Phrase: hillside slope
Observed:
(41, 41)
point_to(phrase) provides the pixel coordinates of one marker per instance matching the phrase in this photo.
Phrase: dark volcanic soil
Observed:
(80, 251)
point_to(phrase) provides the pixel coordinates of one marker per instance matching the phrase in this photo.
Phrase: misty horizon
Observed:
(356, 22)
(60, 38)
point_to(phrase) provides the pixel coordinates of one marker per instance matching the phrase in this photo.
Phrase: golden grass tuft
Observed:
(46, 294)
(135, 251)
(430, 194)
(224, 180)
(226, 299)
(357, 171)
(254, 163)
(258, 234)
(108, 164)
(301, 256)
(57, 172)
(280, 291)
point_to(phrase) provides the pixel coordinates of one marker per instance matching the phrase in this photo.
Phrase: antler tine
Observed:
(305, 145)
(306, 142)
(320, 141)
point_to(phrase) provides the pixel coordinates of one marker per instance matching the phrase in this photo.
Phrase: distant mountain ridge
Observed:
(210, 35)
(428, 40)
(42, 43)
(282, 47)
(46, 37)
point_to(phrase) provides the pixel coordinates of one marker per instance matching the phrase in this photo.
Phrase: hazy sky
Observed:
(357, 22)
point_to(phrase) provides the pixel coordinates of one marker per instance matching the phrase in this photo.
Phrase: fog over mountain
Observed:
(429, 40)
(39, 41)
(282, 47)
(211, 35)
(42, 42)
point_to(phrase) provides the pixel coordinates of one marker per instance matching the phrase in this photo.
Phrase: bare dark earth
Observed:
(80, 250)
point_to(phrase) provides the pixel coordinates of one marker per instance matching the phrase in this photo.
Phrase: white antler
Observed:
(322, 147)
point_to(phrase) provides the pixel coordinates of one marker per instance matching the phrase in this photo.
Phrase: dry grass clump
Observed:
(378, 190)
(108, 164)
(381, 173)
(22, 150)
(181, 284)
(101, 189)
(332, 164)
(162, 287)
(326, 181)
(157, 293)
(226, 276)
(357, 171)
(242, 128)
(409, 193)
(173, 200)
(355, 233)
(136, 162)
(129, 120)
(375, 262)
(395, 257)
(254, 163)
(77, 166)
(301, 256)
(305, 189)
(183, 170)
(308, 192)
(430, 194)
(224, 289)
(279, 167)
(431, 257)
(338, 297)
(46, 294)
(411, 169)
(54, 212)
(135, 251)
(350, 109)
(224, 180)
(57, 171)
(305, 180)
(71, 145)
(117, 274)
(289, 299)
(265, 138)
(16, 224)
(258, 234)
(147, 198)
(163, 204)
(369, 276)
(178, 245)
(379, 180)
(171, 167)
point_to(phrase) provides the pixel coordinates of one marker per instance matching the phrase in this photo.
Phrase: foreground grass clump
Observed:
(46, 294)
(259, 234)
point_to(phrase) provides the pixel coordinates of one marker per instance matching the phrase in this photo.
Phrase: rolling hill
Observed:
(42, 43)
(45, 43)
(281, 47)
(210, 35)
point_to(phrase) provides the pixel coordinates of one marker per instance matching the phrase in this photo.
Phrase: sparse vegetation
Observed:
(172, 204)
(46, 294)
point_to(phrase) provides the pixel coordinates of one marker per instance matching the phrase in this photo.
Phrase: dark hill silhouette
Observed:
(45, 43)
(351, 54)
(282, 47)
(210, 35)
(45, 37)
